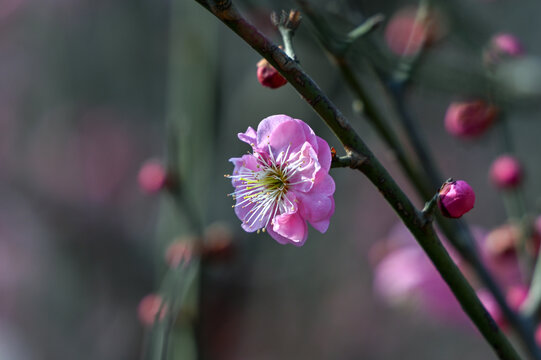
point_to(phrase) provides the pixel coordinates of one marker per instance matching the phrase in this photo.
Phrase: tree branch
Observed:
(367, 163)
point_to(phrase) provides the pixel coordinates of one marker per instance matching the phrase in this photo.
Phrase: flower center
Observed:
(274, 179)
(264, 189)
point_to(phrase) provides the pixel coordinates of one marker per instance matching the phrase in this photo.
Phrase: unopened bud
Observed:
(502, 46)
(456, 198)
(218, 243)
(507, 44)
(469, 119)
(501, 242)
(179, 252)
(268, 76)
(152, 176)
(407, 33)
(149, 307)
(506, 172)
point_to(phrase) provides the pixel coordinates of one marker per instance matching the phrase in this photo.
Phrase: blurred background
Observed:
(92, 88)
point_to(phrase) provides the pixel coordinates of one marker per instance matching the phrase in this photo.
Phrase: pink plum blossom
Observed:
(285, 182)
(405, 276)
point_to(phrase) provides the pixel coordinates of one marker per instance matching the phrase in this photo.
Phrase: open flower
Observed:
(285, 182)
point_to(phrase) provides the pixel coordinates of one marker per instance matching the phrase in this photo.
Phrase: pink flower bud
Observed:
(152, 176)
(469, 119)
(502, 46)
(268, 76)
(456, 198)
(181, 251)
(148, 309)
(507, 44)
(405, 35)
(506, 172)
(501, 242)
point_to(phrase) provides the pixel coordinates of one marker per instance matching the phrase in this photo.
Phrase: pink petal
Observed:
(281, 131)
(279, 238)
(249, 136)
(316, 207)
(243, 212)
(247, 161)
(305, 175)
(291, 227)
(244, 164)
(324, 184)
(292, 135)
(309, 135)
(267, 126)
(323, 154)
(323, 225)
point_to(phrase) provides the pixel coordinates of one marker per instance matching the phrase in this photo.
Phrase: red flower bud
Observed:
(456, 198)
(506, 172)
(268, 76)
(469, 119)
(152, 176)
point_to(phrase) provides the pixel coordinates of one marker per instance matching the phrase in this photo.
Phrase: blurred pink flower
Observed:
(181, 251)
(507, 44)
(469, 119)
(152, 176)
(516, 295)
(405, 276)
(492, 306)
(506, 172)
(9, 7)
(285, 182)
(149, 307)
(93, 161)
(405, 35)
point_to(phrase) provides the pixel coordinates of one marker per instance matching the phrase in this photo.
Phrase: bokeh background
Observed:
(90, 89)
